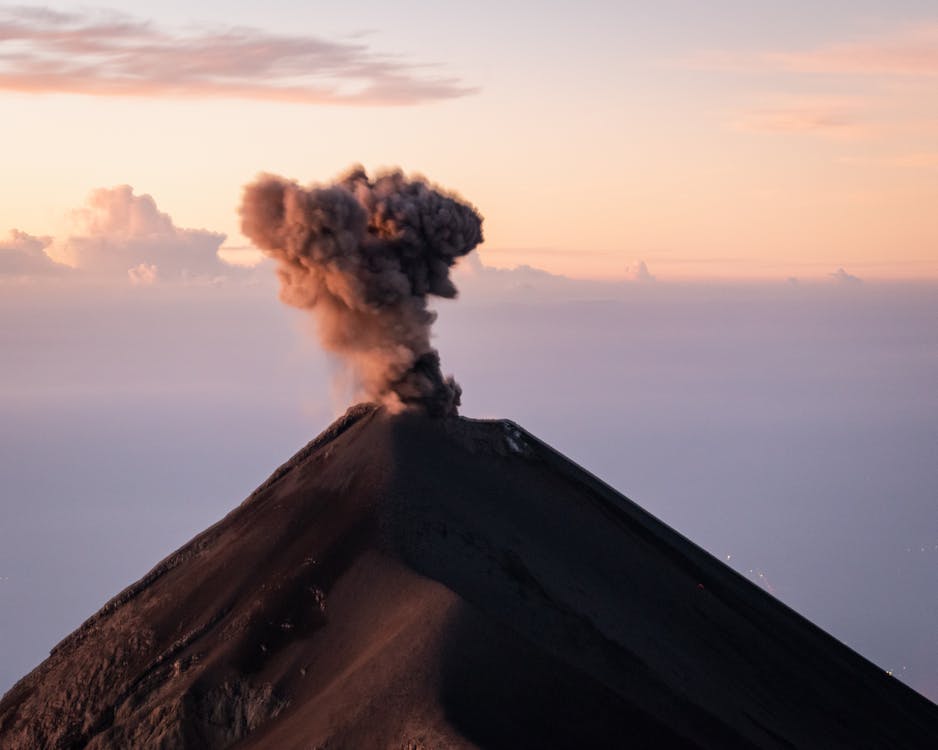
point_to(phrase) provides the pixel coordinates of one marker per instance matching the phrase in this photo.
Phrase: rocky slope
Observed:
(407, 582)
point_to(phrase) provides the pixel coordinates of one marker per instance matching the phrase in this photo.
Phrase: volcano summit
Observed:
(411, 582)
(363, 256)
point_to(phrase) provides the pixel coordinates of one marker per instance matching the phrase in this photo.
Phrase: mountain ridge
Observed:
(449, 583)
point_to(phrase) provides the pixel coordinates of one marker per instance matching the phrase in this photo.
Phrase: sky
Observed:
(725, 140)
(710, 275)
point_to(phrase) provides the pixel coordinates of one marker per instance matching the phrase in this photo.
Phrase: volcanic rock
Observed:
(408, 582)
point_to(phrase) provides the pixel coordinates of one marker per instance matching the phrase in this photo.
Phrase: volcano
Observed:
(410, 582)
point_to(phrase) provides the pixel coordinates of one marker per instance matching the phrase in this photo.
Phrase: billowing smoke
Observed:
(364, 255)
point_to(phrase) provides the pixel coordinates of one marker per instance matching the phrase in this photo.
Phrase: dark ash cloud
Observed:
(113, 54)
(364, 255)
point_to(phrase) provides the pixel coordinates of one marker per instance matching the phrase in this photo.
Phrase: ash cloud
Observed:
(364, 255)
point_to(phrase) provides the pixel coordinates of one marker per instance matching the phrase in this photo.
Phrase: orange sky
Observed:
(590, 141)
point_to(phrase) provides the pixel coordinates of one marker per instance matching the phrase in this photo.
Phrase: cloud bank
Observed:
(909, 51)
(912, 51)
(113, 54)
(641, 272)
(842, 277)
(119, 234)
(835, 116)
(22, 255)
(880, 60)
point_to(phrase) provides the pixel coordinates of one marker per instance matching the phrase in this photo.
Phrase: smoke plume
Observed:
(364, 255)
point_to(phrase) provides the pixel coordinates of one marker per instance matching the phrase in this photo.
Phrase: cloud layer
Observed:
(835, 116)
(121, 234)
(22, 255)
(912, 51)
(841, 276)
(878, 61)
(113, 54)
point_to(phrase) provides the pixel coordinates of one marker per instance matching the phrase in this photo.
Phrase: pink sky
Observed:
(590, 142)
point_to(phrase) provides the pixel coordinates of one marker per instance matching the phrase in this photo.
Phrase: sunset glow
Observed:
(617, 139)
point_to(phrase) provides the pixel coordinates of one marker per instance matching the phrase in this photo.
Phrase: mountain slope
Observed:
(410, 582)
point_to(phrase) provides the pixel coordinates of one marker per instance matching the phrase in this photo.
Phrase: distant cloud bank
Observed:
(106, 53)
(118, 235)
(22, 255)
(641, 272)
(842, 277)
(123, 237)
(118, 230)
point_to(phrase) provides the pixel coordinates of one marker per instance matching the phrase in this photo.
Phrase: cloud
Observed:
(472, 276)
(920, 160)
(364, 255)
(478, 281)
(113, 54)
(22, 255)
(119, 234)
(842, 277)
(144, 274)
(912, 51)
(822, 115)
(641, 272)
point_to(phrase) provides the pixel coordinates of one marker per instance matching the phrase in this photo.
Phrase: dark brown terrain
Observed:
(407, 582)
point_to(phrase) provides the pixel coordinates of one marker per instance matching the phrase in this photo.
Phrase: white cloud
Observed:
(842, 277)
(641, 272)
(473, 277)
(23, 255)
(119, 233)
(113, 54)
(144, 274)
